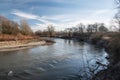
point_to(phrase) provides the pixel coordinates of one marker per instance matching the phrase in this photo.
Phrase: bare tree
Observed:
(81, 28)
(6, 26)
(102, 28)
(90, 28)
(75, 31)
(1, 20)
(95, 27)
(117, 15)
(15, 28)
(25, 28)
(51, 30)
(117, 20)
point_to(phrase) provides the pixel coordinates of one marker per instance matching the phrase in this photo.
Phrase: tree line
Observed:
(78, 30)
(13, 28)
(85, 30)
(48, 32)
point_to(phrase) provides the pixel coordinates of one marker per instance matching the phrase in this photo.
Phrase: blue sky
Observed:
(60, 13)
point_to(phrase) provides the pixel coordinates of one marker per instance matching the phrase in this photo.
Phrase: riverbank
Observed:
(111, 43)
(22, 44)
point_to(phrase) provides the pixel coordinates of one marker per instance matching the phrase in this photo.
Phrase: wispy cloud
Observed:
(24, 15)
(102, 12)
(30, 16)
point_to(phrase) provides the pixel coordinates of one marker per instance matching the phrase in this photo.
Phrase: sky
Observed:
(60, 13)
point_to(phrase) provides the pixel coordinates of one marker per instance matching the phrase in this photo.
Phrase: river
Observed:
(61, 61)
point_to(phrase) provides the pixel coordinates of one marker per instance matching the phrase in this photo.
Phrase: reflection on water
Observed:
(65, 58)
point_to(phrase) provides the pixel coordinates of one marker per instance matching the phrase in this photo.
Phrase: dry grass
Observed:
(5, 37)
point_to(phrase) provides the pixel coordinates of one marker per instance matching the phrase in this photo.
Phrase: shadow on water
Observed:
(73, 42)
(64, 60)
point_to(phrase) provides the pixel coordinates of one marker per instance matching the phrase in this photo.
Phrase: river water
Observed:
(61, 61)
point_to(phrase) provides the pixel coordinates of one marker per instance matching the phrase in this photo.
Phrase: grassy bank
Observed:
(111, 43)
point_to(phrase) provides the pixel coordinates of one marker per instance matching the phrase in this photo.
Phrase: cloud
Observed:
(54, 17)
(24, 15)
(30, 16)
(102, 12)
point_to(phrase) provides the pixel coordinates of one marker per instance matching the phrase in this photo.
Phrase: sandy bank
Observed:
(21, 44)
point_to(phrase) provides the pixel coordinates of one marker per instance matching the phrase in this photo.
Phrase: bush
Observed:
(114, 48)
(96, 37)
(5, 37)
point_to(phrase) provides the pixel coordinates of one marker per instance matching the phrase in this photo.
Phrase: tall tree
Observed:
(81, 28)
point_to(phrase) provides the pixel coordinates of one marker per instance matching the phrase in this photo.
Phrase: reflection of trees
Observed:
(74, 42)
(68, 41)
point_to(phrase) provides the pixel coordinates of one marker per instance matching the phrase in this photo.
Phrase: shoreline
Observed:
(22, 44)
